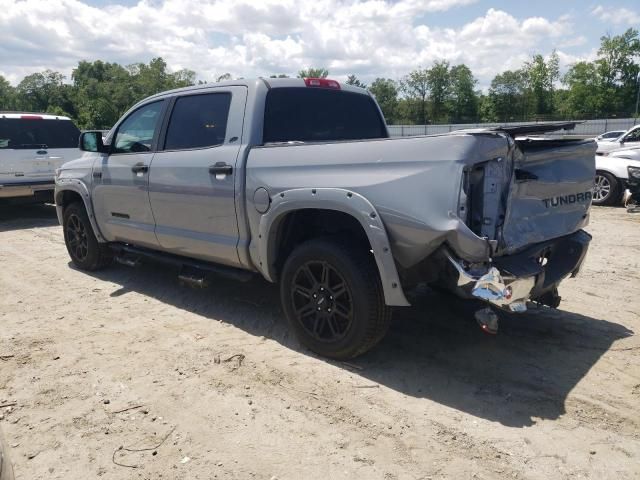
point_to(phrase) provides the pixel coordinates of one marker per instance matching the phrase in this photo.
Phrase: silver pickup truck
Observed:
(297, 180)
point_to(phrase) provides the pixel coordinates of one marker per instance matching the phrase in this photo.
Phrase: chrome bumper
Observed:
(490, 286)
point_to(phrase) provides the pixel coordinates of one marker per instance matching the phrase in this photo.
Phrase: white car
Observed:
(32, 147)
(610, 136)
(629, 139)
(612, 174)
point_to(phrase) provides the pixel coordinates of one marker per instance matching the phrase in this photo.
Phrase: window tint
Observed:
(198, 121)
(318, 114)
(22, 133)
(136, 132)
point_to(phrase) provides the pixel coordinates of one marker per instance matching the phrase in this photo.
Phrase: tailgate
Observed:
(550, 192)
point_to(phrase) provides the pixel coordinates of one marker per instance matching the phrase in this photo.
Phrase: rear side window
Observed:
(34, 133)
(198, 121)
(318, 114)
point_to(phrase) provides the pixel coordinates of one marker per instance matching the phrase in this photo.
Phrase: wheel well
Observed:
(68, 197)
(305, 224)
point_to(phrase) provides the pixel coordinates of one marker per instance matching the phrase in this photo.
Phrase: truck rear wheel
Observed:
(84, 249)
(333, 299)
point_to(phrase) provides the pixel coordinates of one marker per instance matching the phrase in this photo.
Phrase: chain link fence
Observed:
(586, 128)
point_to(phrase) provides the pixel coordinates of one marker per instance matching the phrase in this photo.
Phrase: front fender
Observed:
(76, 186)
(264, 245)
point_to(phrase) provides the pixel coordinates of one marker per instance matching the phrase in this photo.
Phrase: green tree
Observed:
(45, 92)
(618, 69)
(507, 97)
(7, 95)
(439, 85)
(540, 76)
(313, 73)
(104, 91)
(415, 88)
(353, 80)
(463, 98)
(385, 91)
(584, 95)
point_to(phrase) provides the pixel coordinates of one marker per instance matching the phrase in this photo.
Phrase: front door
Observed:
(121, 179)
(191, 184)
(631, 139)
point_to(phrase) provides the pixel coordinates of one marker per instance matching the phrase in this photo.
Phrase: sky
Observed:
(250, 38)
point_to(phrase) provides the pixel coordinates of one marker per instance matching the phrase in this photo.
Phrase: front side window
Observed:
(632, 136)
(136, 133)
(198, 121)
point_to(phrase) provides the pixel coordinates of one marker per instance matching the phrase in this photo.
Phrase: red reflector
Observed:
(322, 83)
(30, 117)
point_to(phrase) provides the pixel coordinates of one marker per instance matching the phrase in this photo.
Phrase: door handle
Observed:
(221, 168)
(140, 168)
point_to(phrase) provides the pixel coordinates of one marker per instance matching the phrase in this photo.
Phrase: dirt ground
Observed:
(215, 386)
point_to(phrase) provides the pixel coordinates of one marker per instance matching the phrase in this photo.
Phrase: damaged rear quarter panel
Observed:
(414, 184)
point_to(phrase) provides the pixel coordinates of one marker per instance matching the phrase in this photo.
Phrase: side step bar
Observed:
(192, 271)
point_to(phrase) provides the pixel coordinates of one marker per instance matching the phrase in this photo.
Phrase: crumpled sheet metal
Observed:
(490, 287)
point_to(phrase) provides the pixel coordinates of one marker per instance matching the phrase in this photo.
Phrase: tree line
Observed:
(100, 92)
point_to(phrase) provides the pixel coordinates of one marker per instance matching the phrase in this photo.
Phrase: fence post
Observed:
(605, 124)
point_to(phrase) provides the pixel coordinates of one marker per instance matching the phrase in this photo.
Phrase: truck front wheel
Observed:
(83, 247)
(333, 299)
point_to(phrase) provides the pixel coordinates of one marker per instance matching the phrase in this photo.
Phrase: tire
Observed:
(332, 297)
(607, 190)
(83, 247)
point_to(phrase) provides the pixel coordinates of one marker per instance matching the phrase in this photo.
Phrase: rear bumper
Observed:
(14, 190)
(512, 280)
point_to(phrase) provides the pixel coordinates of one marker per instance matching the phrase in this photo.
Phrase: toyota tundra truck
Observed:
(298, 181)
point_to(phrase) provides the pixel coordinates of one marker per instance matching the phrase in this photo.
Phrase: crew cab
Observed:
(298, 181)
(32, 146)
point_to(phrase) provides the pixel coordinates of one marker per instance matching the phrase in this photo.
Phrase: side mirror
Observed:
(92, 142)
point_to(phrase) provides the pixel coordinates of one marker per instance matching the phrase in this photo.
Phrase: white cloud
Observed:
(616, 15)
(261, 37)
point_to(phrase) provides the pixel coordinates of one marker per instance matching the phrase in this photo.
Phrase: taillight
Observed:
(322, 83)
(30, 117)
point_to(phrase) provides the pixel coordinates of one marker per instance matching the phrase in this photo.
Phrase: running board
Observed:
(192, 271)
(127, 261)
(193, 279)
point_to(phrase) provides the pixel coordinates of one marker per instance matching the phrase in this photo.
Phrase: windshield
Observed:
(23, 133)
(319, 114)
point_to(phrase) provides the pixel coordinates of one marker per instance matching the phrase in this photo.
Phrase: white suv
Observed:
(631, 138)
(32, 147)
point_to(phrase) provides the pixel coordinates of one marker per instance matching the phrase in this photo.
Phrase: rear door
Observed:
(33, 146)
(191, 188)
(121, 178)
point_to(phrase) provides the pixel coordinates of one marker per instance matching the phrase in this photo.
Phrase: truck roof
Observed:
(32, 116)
(251, 82)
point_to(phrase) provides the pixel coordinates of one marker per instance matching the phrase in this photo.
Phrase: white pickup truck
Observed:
(32, 146)
(297, 180)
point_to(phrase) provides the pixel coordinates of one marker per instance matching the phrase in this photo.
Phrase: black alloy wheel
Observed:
(322, 301)
(76, 235)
